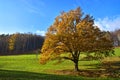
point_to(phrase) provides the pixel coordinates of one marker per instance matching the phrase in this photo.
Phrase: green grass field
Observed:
(27, 67)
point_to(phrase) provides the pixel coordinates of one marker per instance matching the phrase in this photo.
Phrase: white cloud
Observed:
(42, 33)
(108, 23)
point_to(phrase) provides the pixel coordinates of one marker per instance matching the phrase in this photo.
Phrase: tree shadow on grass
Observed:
(105, 69)
(23, 75)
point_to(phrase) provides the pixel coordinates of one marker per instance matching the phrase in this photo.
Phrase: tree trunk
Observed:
(76, 65)
(75, 56)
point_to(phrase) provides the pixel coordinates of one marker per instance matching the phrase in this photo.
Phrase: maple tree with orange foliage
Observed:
(73, 33)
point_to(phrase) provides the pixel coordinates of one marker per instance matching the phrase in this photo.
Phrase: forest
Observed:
(20, 43)
(28, 42)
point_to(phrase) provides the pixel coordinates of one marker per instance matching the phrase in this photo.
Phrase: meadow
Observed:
(27, 67)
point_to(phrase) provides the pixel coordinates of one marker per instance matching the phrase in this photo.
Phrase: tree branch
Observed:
(67, 58)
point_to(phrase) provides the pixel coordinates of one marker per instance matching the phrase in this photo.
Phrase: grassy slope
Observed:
(31, 64)
(117, 51)
(23, 75)
(15, 67)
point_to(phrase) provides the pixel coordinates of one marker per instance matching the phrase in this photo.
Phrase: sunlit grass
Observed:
(30, 63)
(117, 51)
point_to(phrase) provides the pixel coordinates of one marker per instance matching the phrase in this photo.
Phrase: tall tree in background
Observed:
(12, 40)
(116, 37)
(73, 33)
(4, 43)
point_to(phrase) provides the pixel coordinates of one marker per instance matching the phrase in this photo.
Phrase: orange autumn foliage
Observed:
(12, 41)
(73, 33)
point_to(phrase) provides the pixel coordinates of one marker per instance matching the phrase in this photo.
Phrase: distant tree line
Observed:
(19, 43)
(116, 37)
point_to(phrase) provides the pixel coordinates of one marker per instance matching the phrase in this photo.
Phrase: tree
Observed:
(12, 40)
(4, 43)
(71, 34)
(116, 37)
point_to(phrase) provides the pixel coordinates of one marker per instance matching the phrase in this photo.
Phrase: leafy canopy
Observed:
(72, 33)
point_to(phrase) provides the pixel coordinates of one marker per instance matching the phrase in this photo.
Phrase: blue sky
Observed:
(36, 16)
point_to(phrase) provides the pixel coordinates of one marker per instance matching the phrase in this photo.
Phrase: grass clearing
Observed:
(30, 63)
(117, 52)
(16, 66)
(23, 75)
